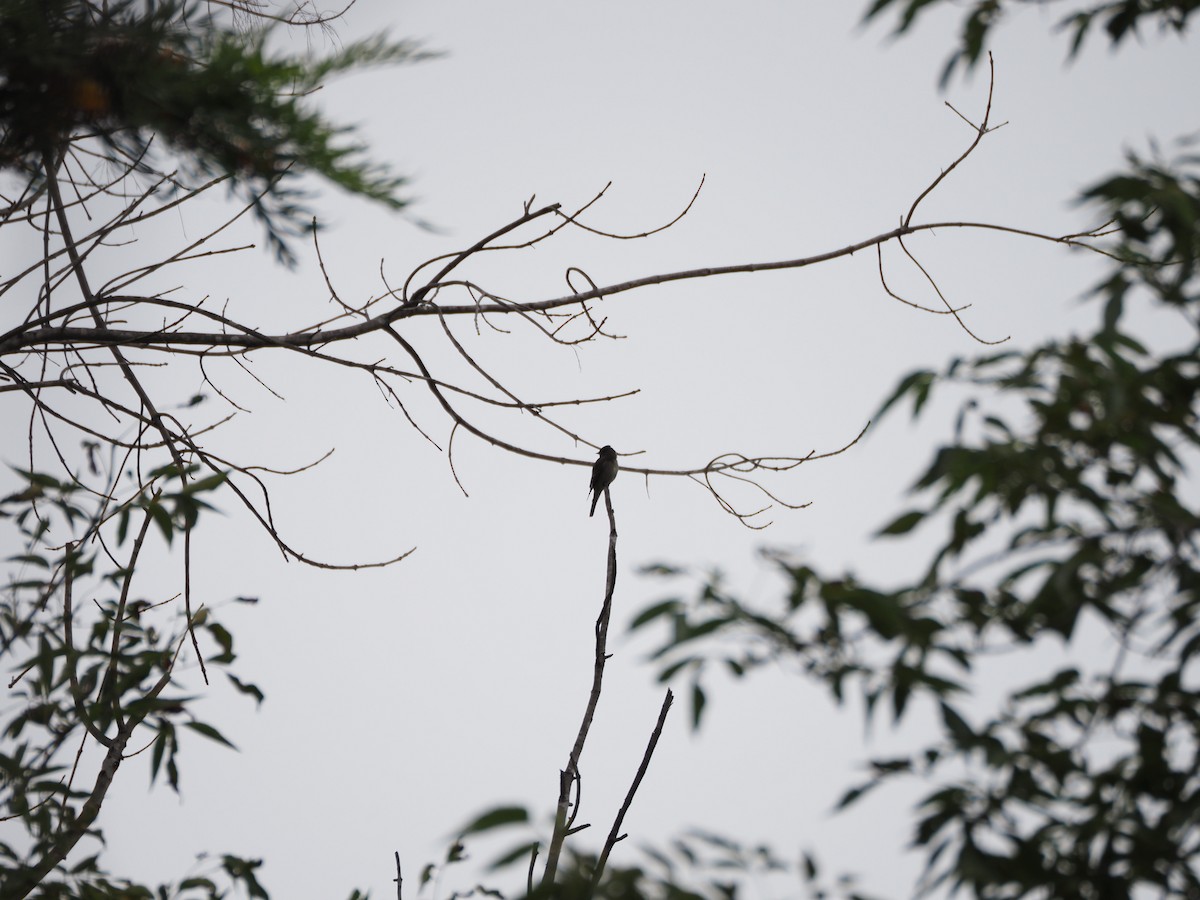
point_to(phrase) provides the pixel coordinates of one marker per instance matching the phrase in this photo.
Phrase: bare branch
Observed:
(980, 131)
(614, 834)
(23, 339)
(570, 774)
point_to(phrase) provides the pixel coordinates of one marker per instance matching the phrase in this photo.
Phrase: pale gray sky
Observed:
(402, 702)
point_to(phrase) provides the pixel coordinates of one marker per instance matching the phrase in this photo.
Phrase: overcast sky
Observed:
(401, 702)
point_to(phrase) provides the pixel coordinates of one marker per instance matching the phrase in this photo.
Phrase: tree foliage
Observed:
(1066, 535)
(1119, 20)
(168, 81)
(94, 660)
(94, 96)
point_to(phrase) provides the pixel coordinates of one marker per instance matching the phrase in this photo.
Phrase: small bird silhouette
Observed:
(604, 470)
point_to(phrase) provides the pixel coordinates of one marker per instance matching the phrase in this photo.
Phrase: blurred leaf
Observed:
(245, 687)
(209, 732)
(656, 611)
(698, 702)
(519, 853)
(902, 524)
(500, 816)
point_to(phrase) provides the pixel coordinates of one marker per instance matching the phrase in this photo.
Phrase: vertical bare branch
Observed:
(615, 835)
(570, 774)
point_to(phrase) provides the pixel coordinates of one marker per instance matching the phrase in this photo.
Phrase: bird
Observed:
(604, 470)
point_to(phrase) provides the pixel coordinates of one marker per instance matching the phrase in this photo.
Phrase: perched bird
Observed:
(604, 470)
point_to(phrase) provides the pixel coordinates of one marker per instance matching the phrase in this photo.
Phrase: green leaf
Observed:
(1056, 685)
(516, 854)
(854, 794)
(209, 732)
(670, 671)
(162, 519)
(209, 483)
(956, 725)
(655, 611)
(224, 639)
(902, 524)
(246, 687)
(662, 570)
(916, 383)
(1113, 310)
(163, 744)
(243, 870)
(499, 817)
(809, 864)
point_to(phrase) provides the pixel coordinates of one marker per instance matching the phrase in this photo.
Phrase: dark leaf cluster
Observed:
(1065, 524)
(161, 84)
(696, 865)
(1118, 19)
(91, 660)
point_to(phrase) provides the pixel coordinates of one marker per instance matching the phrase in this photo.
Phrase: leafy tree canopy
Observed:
(1119, 19)
(150, 79)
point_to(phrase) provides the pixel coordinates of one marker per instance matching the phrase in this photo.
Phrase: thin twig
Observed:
(614, 834)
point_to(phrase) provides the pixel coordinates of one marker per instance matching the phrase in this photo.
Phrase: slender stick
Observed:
(614, 835)
(570, 774)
